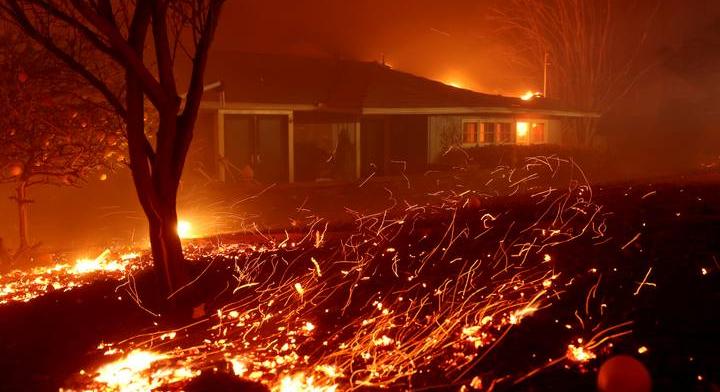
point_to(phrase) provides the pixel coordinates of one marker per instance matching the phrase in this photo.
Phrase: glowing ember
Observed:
(579, 353)
(238, 367)
(300, 383)
(132, 372)
(84, 266)
(518, 315)
(299, 288)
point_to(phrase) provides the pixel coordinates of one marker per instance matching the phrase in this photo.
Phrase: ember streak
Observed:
(410, 294)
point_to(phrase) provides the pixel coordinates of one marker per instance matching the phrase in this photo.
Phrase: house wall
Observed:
(554, 131)
(327, 146)
(443, 132)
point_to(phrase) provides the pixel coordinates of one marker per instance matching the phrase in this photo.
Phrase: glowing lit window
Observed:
(506, 133)
(538, 133)
(470, 133)
(488, 133)
(521, 132)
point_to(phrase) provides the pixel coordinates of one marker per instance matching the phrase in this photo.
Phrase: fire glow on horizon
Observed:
(530, 95)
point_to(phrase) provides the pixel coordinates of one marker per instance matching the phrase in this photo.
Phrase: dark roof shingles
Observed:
(342, 85)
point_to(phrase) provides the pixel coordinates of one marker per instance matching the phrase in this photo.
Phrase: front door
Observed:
(271, 148)
(372, 148)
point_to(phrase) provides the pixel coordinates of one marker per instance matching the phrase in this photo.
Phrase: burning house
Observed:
(279, 118)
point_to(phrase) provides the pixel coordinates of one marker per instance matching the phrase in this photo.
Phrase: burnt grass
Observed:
(45, 341)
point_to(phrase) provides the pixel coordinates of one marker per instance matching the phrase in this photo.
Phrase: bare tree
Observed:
(53, 130)
(594, 48)
(141, 38)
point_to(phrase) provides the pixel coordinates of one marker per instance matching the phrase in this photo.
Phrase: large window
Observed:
(470, 132)
(522, 129)
(506, 136)
(488, 133)
(324, 151)
(255, 148)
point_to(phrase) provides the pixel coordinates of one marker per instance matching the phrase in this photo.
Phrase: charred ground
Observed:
(46, 341)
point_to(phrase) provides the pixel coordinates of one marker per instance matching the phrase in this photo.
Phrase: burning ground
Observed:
(527, 282)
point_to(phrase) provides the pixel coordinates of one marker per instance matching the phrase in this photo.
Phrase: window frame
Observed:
(462, 133)
(481, 122)
(531, 121)
(513, 133)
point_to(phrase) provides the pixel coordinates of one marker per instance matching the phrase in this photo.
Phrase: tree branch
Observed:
(162, 49)
(125, 51)
(195, 91)
(24, 23)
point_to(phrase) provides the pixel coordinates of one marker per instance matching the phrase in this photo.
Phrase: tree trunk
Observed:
(157, 193)
(5, 259)
(165, 241)
(169, 262)
(22, 204)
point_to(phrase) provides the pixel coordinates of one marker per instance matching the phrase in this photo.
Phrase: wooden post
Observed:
(358, 151)
(5, 259)
(221, 145)
(291, 148)
(22, 204)
(545, 75)
(386, 147)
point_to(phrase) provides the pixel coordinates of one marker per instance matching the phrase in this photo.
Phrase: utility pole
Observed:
(545, 74)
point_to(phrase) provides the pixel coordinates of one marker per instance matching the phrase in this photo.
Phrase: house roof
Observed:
(347, 86)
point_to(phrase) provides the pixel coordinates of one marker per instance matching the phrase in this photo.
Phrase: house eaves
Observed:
(476, 110)
(215, 105)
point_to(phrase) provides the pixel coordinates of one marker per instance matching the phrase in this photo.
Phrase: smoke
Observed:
(669, 121)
